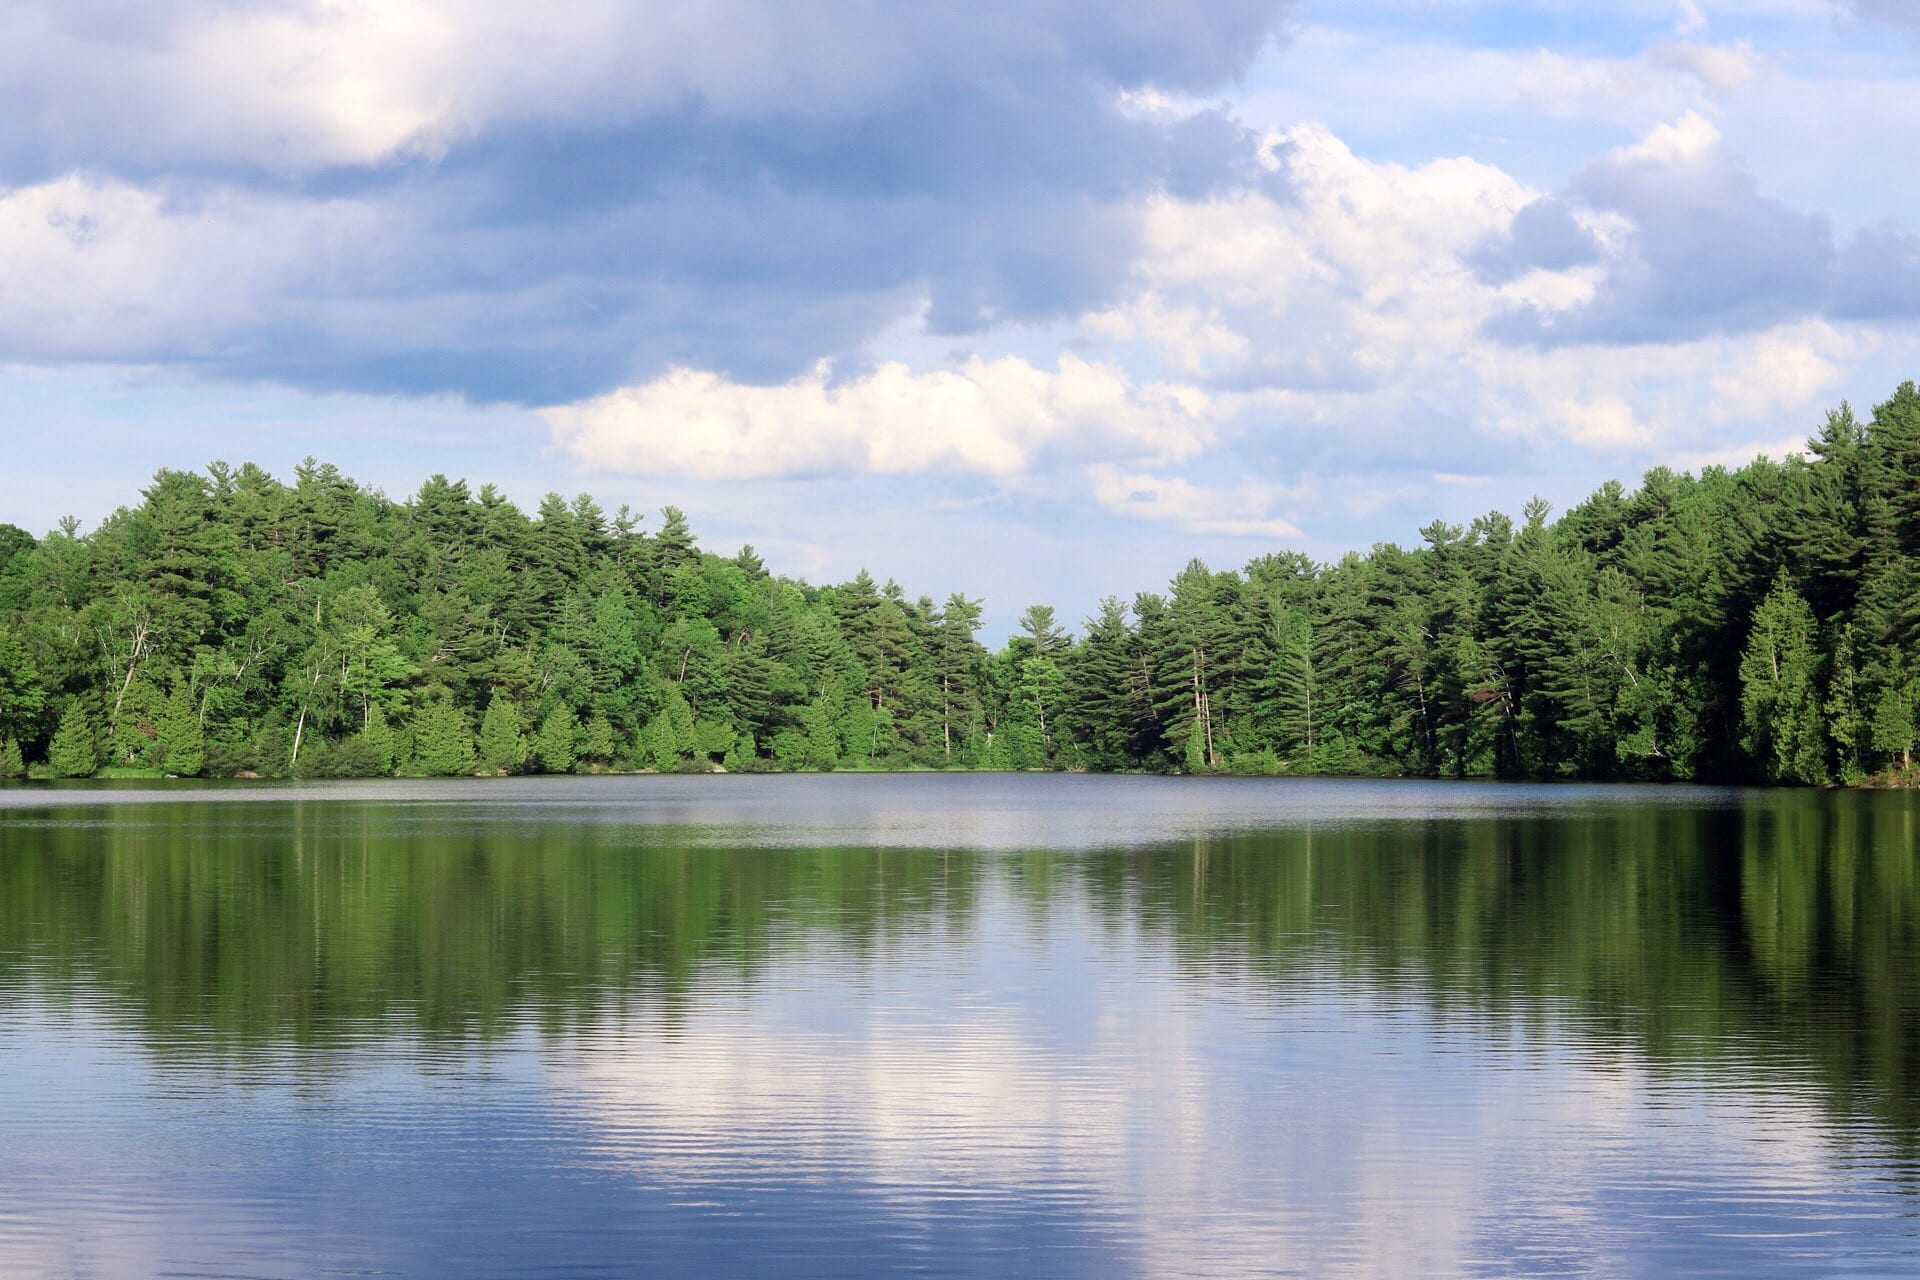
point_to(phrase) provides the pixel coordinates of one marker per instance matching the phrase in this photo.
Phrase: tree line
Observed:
(1759, 624)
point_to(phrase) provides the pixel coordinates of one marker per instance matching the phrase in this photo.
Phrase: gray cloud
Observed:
(532, 204)
(1878, 275)
(1700, 252)
(1899, 12)
(1545, 236)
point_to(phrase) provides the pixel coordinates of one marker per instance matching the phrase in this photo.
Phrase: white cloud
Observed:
(107, 270)
(1605, 423)
(1401, 80)
(1240, 512)
(1349, 319)
(1664, 77)
(987, 417)
(1340, 283)
(308, 84)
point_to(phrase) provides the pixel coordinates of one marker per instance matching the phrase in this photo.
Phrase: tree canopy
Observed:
(1755, 624)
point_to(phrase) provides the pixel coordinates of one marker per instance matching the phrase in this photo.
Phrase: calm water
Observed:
(1056, 1026)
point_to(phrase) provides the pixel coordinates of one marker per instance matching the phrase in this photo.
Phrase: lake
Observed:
(958, 1025)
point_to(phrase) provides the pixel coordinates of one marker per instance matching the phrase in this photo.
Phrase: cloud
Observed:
(1687, 246)
(1328, 277)
(1668, 72)
(1702, 251)
(554, 201)
(1357, 327)
(994, 418)
(1544, 236)
(109, 270)
(1878, 274)
(1242, 512)
(314, 84)
(1903, 13)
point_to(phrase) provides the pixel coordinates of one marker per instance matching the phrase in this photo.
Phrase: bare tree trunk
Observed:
(1206, 701)
(136, 650)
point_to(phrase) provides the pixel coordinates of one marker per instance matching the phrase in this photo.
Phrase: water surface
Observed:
(958, 1025)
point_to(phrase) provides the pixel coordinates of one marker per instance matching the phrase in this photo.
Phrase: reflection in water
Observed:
(1197, 1028)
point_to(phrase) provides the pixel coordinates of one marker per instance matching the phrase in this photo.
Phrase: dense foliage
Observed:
(1761, 623)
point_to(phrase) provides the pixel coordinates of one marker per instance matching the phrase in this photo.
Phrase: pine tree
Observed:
(557, 741)
(597, 740)
(1893, 727)
(1780, 704)
(180, 743)
(75, 752)
(501, 750)
(442, 742)
(1038, 628)
(956, 663)
(379, 739)
(21, 694)
(11, 763)
(1042, 693)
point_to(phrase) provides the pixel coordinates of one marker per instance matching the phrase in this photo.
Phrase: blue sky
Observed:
(1033, 300)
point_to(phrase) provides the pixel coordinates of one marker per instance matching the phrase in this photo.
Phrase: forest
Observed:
(1750, 625)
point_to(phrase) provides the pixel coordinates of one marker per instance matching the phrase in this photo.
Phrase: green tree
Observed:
(597, 744)
(21, 694)
(1195, 754)
(956, 668)
(442, 741)
(558, 740)
(501, 748)
(377, 736)
(1779, 697)
(180, 743)
(75, 752)
(1893, 727)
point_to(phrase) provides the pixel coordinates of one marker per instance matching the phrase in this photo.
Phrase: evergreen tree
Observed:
(1779, 698)
(597, 740)
(501, 750)
(956, 670)
(75, 751)
(22, 695)
(1893, 727)
(180, 743)
(301, 617)
(378, 737)
(1038, 628)
(555, 745)
(442, 742)
(12, 765)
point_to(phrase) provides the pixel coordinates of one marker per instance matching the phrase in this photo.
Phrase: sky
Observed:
(1030, 299)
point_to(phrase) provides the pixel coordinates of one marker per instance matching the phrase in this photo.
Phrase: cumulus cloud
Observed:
(1687, 246)
(1243, 511)
(1360, 324)
(1878, 274)
(1328, 278)
(561, 200)
(109, 270)
(990, 418)
(313, 84)
(1703, 251)
(745, 238)
(1669, 72)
